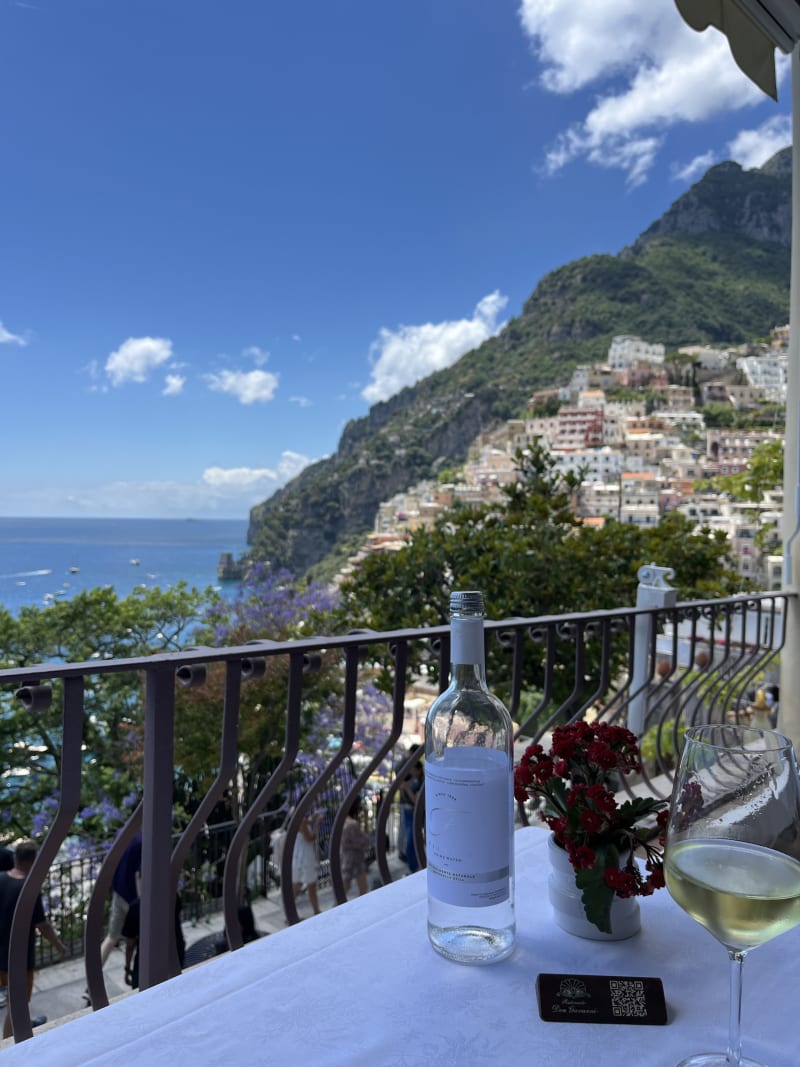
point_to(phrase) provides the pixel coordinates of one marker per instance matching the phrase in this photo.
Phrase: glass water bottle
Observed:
(469, 804)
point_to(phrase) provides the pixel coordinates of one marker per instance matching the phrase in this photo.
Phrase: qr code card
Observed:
(597, 998)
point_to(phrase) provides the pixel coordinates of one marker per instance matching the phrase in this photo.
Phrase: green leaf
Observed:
(597, 896)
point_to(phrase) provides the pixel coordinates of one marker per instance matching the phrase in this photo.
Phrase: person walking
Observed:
(353, 850)
(11, 883)
(304, 859)
(125, 887)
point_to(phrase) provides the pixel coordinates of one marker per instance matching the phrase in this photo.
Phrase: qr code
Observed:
(627, 998)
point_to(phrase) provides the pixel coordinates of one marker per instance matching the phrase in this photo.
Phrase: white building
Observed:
(625, 350)
(598, 464)
(598, 500)
(701, 508)
(689, 421)
(707, 358)
(639, 497)
(769, 374)
(617, 413)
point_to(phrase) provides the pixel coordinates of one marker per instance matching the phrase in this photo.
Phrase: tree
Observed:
(531, 556)
(764, 473)
(94, 625)
(718, 415)
(269, 604)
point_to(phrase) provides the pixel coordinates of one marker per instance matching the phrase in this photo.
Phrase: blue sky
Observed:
(229, 228)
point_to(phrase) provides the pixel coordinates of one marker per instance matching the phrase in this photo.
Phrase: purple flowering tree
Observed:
(268, 605)
(273, 605)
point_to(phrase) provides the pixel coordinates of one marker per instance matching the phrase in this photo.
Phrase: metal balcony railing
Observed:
(666, 667)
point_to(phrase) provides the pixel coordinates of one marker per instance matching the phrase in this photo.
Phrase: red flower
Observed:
(611, 877)
(622, 882)
(543, 770)
(602, 755)
(574, 785)
(558, 826)
(603, 799)
(656, 878)
(582, 858)
(591, 821)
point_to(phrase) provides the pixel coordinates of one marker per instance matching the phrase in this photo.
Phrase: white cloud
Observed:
(752, 148)
(694, 168)
(261, 479)
(301, 401)
(136, 358)
(217, 493)
(173, 385)
(403, 356)
(249, 387)
(579, 41)
(296, 337)
(9, 338)
(654, 70)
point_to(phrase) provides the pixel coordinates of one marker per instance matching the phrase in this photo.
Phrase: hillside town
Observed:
(638, 457)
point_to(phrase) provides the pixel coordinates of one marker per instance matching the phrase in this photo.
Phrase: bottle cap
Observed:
(468, 602)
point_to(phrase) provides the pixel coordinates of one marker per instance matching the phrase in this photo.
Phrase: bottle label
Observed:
(469, 817)
(466, 641)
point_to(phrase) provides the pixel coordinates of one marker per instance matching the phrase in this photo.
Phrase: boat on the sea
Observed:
(74, 570)
(135, 562)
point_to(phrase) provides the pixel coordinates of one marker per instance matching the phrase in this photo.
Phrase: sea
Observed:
(42, 560)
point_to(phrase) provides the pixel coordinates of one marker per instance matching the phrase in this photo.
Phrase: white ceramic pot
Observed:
(567, 902)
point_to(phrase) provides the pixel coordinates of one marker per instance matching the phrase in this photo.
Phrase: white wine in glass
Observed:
(732, 857)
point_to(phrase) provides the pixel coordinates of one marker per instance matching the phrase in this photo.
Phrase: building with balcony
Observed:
(597, 464)
(640, 495)
(768, 374)
(729, 451)
(579, 427)
(599, 500)
(625, 350)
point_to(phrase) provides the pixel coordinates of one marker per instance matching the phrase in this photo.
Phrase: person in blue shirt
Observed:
(125, 887)
(11, 883)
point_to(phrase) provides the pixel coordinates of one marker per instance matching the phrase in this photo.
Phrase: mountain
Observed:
(714, 268)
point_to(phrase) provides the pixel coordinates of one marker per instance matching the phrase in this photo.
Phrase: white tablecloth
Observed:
(360, 985)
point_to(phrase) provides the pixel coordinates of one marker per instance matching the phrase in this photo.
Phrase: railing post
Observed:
(653, 592)
(158, 899)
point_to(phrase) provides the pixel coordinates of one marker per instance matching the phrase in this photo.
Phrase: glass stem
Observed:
(735, 1008)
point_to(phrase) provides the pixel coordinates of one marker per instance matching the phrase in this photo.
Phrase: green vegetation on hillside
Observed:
(714, 269)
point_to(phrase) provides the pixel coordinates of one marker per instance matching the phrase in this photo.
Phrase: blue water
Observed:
(45, 559)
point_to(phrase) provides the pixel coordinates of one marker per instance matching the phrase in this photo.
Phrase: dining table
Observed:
(360, 985)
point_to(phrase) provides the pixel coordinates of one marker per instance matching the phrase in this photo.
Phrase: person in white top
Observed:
(304, 859)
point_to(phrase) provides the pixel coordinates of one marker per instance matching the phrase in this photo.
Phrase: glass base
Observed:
(718, 1059)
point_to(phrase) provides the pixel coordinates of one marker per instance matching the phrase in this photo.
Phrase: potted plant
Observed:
(575, 785)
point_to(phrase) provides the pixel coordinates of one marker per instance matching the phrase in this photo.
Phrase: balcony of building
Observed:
(657, 667)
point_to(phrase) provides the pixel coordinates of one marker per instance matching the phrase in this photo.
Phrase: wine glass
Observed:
(732, 855)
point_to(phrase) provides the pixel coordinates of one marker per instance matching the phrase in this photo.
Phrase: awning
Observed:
(754, 28)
